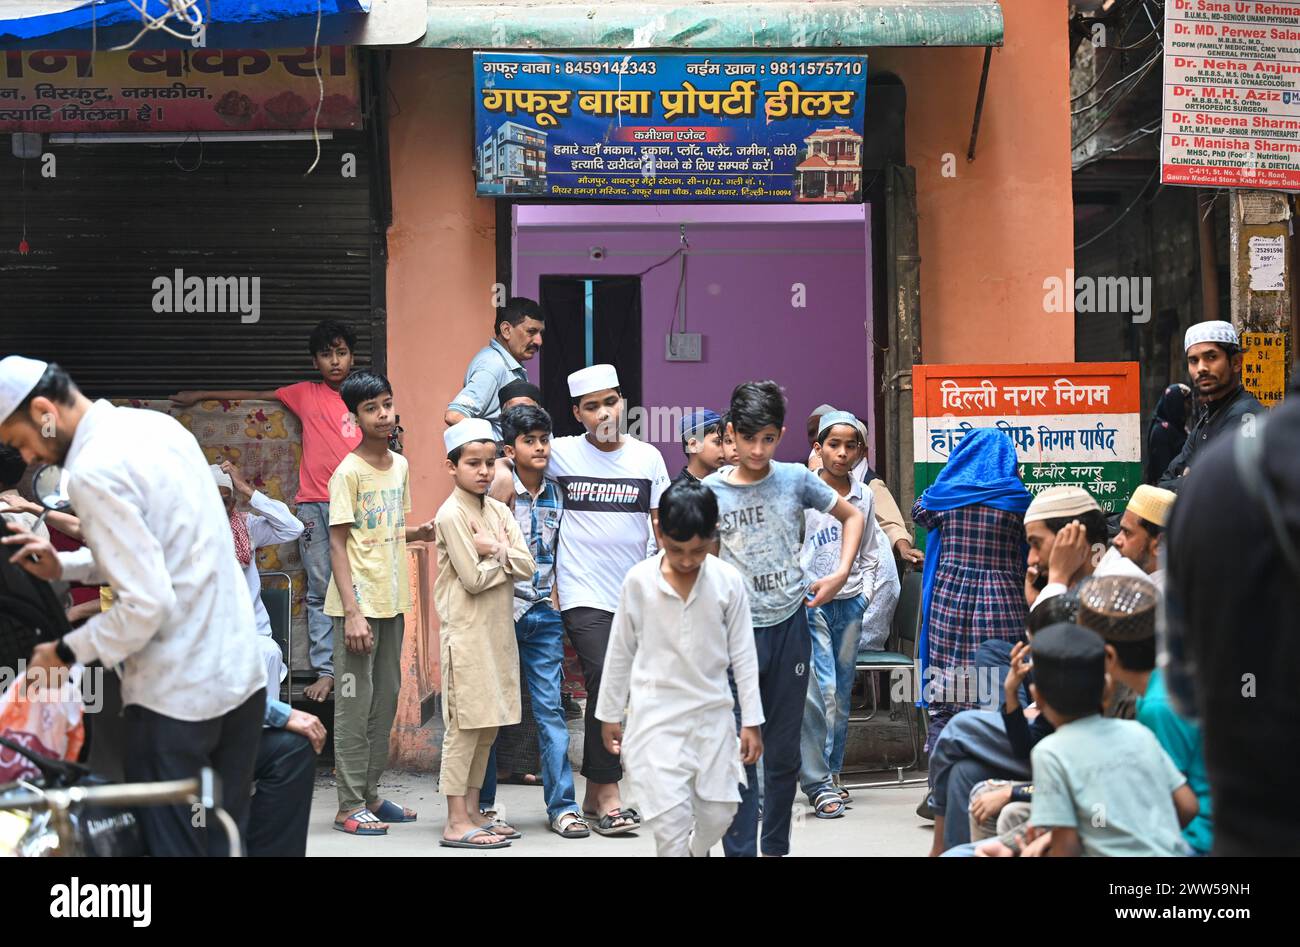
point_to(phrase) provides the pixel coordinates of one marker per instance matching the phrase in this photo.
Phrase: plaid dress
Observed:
(979, 586)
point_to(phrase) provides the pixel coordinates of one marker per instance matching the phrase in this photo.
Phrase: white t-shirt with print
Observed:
(608, 496)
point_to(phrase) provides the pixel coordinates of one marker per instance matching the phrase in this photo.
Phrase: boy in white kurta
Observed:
(683, 619)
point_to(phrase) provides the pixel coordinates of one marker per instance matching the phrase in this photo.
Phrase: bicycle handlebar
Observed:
(125, 794)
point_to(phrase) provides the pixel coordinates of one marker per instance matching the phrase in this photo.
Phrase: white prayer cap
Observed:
(222, 478)
(18, 376)
(1058, 502)
(471, 429)
(592, 378)
(1215, 330)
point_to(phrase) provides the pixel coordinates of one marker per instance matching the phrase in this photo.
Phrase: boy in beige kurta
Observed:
(481, 553)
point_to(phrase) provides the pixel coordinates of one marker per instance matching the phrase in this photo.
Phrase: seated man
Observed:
(273, 525)
(978, 745)
(283, 779)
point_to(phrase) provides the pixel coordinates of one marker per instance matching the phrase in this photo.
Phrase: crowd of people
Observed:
(717, 616)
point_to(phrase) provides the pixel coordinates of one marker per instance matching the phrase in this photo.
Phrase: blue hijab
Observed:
(981, 471)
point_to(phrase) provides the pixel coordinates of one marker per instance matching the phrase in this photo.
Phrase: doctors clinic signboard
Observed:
(1232, 94)
(179, 90)
(673, 127)
(1073, 424)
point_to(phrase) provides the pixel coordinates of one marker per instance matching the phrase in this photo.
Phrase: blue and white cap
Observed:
(832, 418)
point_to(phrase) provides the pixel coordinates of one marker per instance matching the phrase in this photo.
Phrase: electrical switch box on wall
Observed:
(683, 346)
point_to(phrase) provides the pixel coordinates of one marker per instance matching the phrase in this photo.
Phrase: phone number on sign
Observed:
(837, 67)
(628, 67)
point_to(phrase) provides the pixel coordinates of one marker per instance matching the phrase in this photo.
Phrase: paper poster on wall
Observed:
(1267, 264)
(670, 127)
(1073, 424)
(1264, 364)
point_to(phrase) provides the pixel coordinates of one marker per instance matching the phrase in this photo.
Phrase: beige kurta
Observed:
(474, 596)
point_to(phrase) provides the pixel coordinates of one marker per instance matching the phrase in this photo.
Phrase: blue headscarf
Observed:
(981, 471)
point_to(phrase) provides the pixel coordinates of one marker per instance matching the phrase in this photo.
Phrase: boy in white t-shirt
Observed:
(612, 484)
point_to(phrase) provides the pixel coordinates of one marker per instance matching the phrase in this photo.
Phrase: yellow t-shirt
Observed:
(374, 503)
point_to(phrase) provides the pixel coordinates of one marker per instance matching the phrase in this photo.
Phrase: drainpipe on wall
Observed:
(904, 293)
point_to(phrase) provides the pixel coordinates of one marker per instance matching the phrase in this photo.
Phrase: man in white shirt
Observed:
(193, 686)
(612, 484)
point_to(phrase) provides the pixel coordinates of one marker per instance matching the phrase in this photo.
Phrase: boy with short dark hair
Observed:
(368, 592)
(539, 630)
(702, 444)
(761, 505)
(328, 434)
(481, 555)
(682, 621)
(730, 457)
(1101, 786)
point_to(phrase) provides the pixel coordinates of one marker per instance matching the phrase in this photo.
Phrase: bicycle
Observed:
(62, 821)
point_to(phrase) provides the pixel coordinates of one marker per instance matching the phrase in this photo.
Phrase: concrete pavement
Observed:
(880, 821)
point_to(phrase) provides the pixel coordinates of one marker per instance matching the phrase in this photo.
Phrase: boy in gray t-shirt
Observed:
(1101, 786)
(761, 506)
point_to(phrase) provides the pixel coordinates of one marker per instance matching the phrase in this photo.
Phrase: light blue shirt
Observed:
(761, 529)
(1111, 782)
(277, 713)
(490, 370)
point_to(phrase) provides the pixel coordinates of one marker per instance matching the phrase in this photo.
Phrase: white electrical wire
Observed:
(185, 11)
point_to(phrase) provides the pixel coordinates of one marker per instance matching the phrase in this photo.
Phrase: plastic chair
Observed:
(904, 635)
(278, 603)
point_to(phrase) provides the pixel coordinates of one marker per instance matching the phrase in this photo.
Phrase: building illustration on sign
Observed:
(832, 170)
(512, 160)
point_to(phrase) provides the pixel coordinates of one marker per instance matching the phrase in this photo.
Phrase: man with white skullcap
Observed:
(612, 484)
(193, 685)
(1214, 364)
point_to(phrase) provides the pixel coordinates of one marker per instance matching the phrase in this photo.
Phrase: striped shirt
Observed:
(539, 521)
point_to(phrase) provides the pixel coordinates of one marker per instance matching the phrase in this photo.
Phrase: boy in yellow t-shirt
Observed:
(368, 592)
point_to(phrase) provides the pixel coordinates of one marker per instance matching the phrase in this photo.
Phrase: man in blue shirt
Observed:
(283, 778)
(518, 328)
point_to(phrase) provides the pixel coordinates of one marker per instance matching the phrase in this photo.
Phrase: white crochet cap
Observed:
(18, 376)
(471, 429)
(592, 378)
(1216, 330)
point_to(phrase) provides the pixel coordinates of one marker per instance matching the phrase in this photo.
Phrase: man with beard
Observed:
(1214, 364)
(518, 329)
(1141, 532)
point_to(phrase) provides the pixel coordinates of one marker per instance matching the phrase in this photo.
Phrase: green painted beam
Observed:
(711, 24)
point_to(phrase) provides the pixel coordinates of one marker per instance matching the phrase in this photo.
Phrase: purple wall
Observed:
(739, 273)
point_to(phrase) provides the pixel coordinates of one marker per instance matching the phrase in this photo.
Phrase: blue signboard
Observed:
(670, 127)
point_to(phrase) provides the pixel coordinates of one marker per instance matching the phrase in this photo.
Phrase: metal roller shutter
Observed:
(116, 217)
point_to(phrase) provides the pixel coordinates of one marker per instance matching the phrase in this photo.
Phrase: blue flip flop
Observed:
(821, 805)
(391, 812)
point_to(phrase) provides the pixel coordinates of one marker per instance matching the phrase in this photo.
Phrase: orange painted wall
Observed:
(442, 262)
(993, 234)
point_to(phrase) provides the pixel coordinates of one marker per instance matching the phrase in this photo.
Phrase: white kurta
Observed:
(666, 664)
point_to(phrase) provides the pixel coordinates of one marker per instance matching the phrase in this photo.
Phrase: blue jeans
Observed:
(314, 548)
(540, 634)
(835, 629)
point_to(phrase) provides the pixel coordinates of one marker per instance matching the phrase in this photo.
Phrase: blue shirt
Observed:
(539, 521)
(490, 370)
(761, 528)
(1181, 739)
(277, 713)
